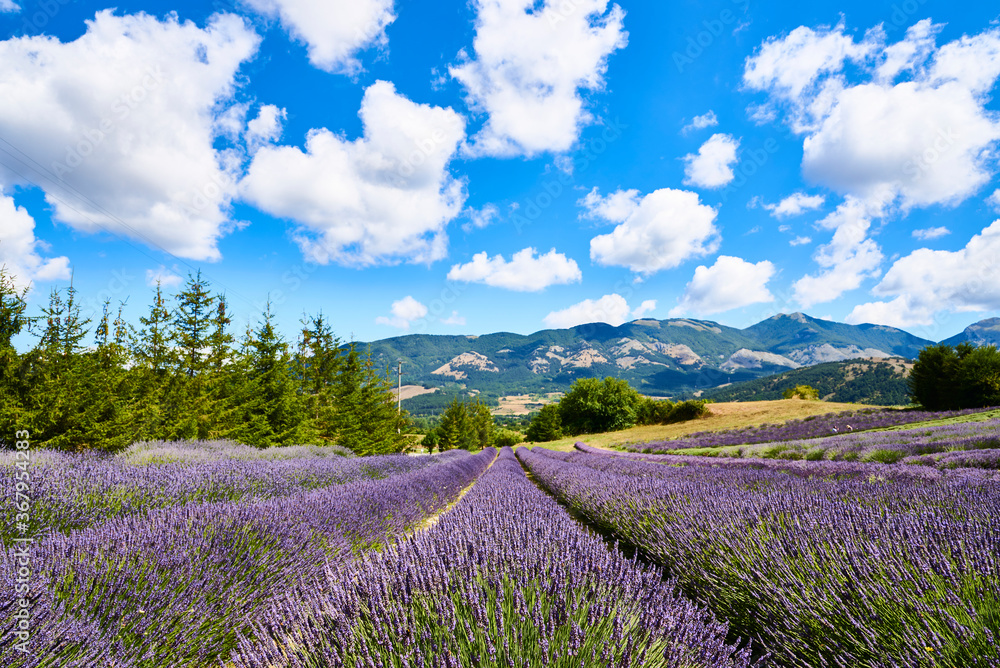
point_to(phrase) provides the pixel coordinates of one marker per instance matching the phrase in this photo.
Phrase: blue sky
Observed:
(464, 168)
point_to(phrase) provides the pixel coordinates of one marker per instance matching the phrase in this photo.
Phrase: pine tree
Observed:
(13, 389)
(456, 429)
(59, 375)
(269, 398)
(318, 363)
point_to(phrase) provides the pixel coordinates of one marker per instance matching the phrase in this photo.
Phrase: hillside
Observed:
(879, 381)
(983, 333)
(658, 357)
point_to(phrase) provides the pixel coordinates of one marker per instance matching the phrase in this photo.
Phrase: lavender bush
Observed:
(643, 464)
(506, 578)
(176, 586)
(74, 491)
(827, 573)
(806, 428)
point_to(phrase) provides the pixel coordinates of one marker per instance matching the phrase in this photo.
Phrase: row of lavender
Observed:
(806, 428)
(505, 578)
(947, 446)
(176, 586)
(849, 572)
(976, 465)
(71, 492)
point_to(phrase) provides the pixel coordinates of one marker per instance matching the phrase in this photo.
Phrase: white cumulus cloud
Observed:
(712, 166)
(123, 121)
(333, 30)
(404, 312)
(165, 277)
(384, 197)
(994, 199)
(266, 127)
(9, 6)
(927, 281)
(661, 231)
(19, 249)
(795, 204)
(532, 61)
(847, 260)
(914, 130)
(612, 309)
(525, 272)
(931, 233)
(730, 283)
(706, 120)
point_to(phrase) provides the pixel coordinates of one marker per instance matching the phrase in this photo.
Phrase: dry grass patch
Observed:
(729, 415)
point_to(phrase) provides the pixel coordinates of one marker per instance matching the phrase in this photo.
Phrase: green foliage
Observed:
(180, 377)
(688, 410)
(807, 392)
(949, 378)
(465, 425)
(507, 438)
(593, 406)
(852, 381)
(546, 425)
(653, 411)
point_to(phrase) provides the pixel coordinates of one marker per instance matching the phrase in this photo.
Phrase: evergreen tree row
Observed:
(184, 375)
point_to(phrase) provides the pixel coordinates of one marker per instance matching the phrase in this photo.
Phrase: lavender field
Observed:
(806, 428)
(215, 554)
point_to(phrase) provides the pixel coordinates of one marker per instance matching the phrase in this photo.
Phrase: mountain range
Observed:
(658, 357)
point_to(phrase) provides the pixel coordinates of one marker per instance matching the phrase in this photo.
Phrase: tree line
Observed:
(185, 375)
(593, 406)
(954, 377)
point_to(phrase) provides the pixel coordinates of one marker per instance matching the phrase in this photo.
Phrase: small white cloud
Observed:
(847, 260)
(795, 204)
(266, 127)
(532, 63)
(524, 272)
(612, 309)
(706, 120)
(404, 312)
(800, 241)
(454, 319)
(753, 230)
(19, 249)
(334, 30)
(994, 199)
(784, 228)
(384, 197)
(648, 306)
(481, 218)
(664, 228)
(931, 233)
(730, 283)
(616, 207)
(712, 166)
(166, 277)
(9, 6)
